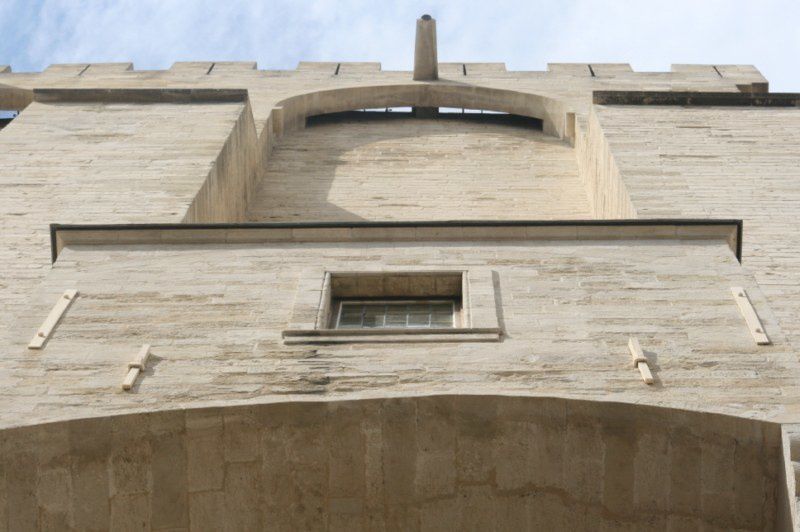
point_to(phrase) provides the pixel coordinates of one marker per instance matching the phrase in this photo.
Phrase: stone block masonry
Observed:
(95, 162)
(231, 424)
(415, 463)
(214, 315)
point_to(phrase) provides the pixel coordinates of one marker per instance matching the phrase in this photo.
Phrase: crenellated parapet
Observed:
(340, 296)
(333, 68)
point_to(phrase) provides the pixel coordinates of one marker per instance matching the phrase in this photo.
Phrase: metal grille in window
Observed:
(396, 315)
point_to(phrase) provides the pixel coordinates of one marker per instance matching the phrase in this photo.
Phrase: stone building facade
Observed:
(243, 299)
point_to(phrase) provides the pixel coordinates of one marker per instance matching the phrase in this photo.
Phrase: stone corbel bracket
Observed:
(61, 306)
(639, 360)
(750, 316)
(136, 367)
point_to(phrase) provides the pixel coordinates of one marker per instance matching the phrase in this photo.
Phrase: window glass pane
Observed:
(374, 315)
(351, 316)
(442, 308)
(442, 315)
(419, 315)
(396, 315)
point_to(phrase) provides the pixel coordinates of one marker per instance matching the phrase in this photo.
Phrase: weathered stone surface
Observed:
(219, 431)
(436, 169)
(95, 162)
(214, 318)
(718, 162)
(316, 468)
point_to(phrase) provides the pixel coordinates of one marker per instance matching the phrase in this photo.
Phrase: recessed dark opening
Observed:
(6, 116)
(442, 113)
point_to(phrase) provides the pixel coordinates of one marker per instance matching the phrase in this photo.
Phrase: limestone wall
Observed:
(214, 316)
(14, 98)
(230, 183)
(415, 169)
(564, 87)
(717, 162)
(426, 463)
(607, 192)
(219, 429)
(106, 163)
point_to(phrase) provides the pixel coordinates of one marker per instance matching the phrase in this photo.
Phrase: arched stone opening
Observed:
(12, 101)
(14, 98)
(393, 167)
(440, 462)
(291, 113)
(449, 170)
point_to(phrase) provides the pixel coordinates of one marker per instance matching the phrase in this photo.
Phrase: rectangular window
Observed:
(435, 314)
(337, 307)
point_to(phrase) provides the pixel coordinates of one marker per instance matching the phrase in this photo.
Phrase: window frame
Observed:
(338, 304)
(315, 309)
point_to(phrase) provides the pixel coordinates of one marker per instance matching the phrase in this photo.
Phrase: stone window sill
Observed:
(340, 336)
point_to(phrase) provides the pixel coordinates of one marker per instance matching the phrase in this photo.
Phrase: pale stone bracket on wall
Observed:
(750, 315)
(639, 360)
(52, 319)
(136, 367)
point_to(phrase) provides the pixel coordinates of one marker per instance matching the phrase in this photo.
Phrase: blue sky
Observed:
(524, 34)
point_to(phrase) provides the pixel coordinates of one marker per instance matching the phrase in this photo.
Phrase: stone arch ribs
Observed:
(290, 113)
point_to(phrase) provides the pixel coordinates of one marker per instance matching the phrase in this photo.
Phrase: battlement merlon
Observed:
(96, 71)
(572, 84)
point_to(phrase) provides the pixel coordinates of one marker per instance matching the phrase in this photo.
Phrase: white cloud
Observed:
(524, 34)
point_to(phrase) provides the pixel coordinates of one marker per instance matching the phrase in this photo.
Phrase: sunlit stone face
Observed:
(420, 169)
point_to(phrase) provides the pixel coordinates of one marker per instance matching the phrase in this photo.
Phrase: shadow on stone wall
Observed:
(402, 168)
(441, 462)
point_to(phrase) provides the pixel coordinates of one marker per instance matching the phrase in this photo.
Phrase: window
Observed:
(436, 314)
(394, 306)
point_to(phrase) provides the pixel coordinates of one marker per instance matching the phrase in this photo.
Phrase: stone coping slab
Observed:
(140, 95)
(728, 99)
(453, 231)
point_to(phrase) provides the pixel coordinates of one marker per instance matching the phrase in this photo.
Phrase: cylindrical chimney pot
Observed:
(426, 62)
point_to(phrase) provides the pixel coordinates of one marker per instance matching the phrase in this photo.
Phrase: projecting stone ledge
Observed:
(62, 235)
(730, 99)
(140, 95)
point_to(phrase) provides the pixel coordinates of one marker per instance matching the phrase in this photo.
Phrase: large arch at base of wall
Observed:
(440, 462)
(290, 114)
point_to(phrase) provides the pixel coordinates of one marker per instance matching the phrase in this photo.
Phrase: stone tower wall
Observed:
(203, 143)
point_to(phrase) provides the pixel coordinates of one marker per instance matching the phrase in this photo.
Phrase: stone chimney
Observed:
(426, 63)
